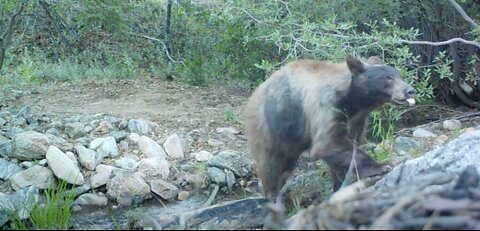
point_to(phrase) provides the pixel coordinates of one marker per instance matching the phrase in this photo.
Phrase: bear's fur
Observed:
(320, 107)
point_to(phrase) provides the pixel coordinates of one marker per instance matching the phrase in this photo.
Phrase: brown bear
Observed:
(321, 107)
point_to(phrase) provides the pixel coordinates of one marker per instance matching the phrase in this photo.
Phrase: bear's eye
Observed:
(389, 77)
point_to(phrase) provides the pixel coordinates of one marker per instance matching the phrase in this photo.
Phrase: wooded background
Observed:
(433, 43)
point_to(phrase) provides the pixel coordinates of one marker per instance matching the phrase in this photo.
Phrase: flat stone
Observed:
(38, 176)
(63, 167)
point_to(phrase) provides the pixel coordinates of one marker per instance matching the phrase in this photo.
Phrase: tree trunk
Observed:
(166, 30)
(6, 37)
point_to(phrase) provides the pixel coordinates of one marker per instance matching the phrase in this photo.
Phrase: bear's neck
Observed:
(359, 100)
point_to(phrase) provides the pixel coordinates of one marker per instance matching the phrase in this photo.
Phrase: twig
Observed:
(464, 15)
(212, 196)
(440, 43)
(383, 221)
(164, 46)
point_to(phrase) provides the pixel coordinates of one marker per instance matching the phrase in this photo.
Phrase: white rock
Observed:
(164, 189)
(452, 125)
(37, 175)
(422, 133)
(139, 126)
(99, 179)
(63, 167)
(150, 148)
(31, 145)
(154, 168)
(214, 143)
(72, 157)
(173, 147)
(88, 157)
(202, 156)
(104, 168)
(105, 146)
(126, 163)
(127, 188)
(133, 138)
(91, 199)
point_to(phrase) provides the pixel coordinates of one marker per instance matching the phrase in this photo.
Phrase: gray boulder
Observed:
(239, 163)
(451, 159)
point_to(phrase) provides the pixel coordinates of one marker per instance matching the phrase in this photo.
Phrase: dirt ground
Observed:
(172, 104)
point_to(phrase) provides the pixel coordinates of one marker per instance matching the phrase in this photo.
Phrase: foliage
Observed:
(53, 212)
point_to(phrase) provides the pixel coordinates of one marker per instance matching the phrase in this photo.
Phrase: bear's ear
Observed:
(374, 60)
(355, 66)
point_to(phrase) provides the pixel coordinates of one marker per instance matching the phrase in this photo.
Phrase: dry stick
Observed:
(440, 43)
(431, 220)
(464, 15)
(383, 221)
(212, 196)
(164, 46)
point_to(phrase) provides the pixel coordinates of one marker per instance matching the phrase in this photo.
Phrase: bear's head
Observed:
(374, 83)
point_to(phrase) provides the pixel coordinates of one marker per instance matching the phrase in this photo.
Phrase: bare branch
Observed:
(6, 37)
(440, 43)
(164, 46)
(464, 15)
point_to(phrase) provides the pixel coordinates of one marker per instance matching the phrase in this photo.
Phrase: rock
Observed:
(214, 143)
(127, 188)
(104, 168)
(150, 148)
(72, 157)
(229, 132)
(7, 169)
(53, 132)
(105, 147)
(164, 189)
(63, 167)
(441, 139)
(173, 146)
(240, 164)
(5, 147)
(26, 164)
(13, 132)
(37, 176)
(154, 168)
(404, 145)
(88, 157)
(138, 126)
(451, 159)
(217, 175)
(56, 124)
(22, 201)
(118, 135)
(183, 195)
(104, 127)
(230, 178)
(122, 124)
(31, 145)
(126, 163)
(133, 138)
(123, 145)
(451, 125)
(88, 129)
(422, 133)
(99, 179)
(91, 199)
(202, 156)
(79, 190)
(75, 130)
(42, 162)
